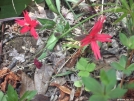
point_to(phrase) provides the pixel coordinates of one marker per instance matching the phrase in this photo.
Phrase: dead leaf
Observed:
(3, 72)
(8, 77)
(64, 89)
(73, 59)
(63, 96)
(27, 84)
(42, 77)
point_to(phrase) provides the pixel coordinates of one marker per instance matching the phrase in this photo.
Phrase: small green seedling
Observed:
(84, 67)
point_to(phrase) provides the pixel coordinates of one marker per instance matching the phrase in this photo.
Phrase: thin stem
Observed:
(69, 30)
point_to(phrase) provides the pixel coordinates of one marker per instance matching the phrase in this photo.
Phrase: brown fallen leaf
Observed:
(65, 89)
(63, 96)
(26, 84)
(73, 59)
(8, 77)
(3, 72)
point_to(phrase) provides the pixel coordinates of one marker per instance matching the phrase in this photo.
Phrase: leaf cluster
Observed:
(84, 67)
(127, 8)
(106, 89)
(128, 42)
(11, 95)
(121, 65)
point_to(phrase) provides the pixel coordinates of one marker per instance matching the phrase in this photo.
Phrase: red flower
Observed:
(28, 25)
(37, 63)
(95, 36)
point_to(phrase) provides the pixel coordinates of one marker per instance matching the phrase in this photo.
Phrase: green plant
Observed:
(122, 66)
(84, 67)
(128, 42)
(106, 88)
(127, 8)
(11, 95)
(2, 96)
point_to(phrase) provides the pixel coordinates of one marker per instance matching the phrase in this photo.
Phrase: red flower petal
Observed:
(34, 23)
(33, 33)
(37, 63)
(103, 37)
(95, 36)
(28, 24)
(26, 16)
(98, 25)
(86, 40)
(25, 29)
(20, 22)
(96, 50)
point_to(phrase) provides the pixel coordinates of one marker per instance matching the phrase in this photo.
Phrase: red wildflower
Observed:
(37, 63)
(28, 25)
(95, 36)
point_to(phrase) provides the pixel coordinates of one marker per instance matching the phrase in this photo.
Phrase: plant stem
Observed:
(83, 22)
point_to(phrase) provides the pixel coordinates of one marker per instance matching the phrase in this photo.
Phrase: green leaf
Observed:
(67, 26)
(117, 66)
(90, 67)
(81, 64)
(42, 56)
(131, 3)
(117, 93)
(51, 42)
(92, 85)
(52, 6)
(119, 9)
(28, 95)
(123, 60)
(11, 94)
(38, 1)
(121, 17)
(125, 4)
(49, 46)
(111, 74)
(124, 40)
(127, 72)
(78, 83)
(83, 73)
(104, 78)
(60, 27)
(58, 5)
(132, 6)
(131, 67)
(131, 42)
(129, 86)
(98, 98)
(63, 74)
(47, 23)
(12, 9)
(2, 96)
